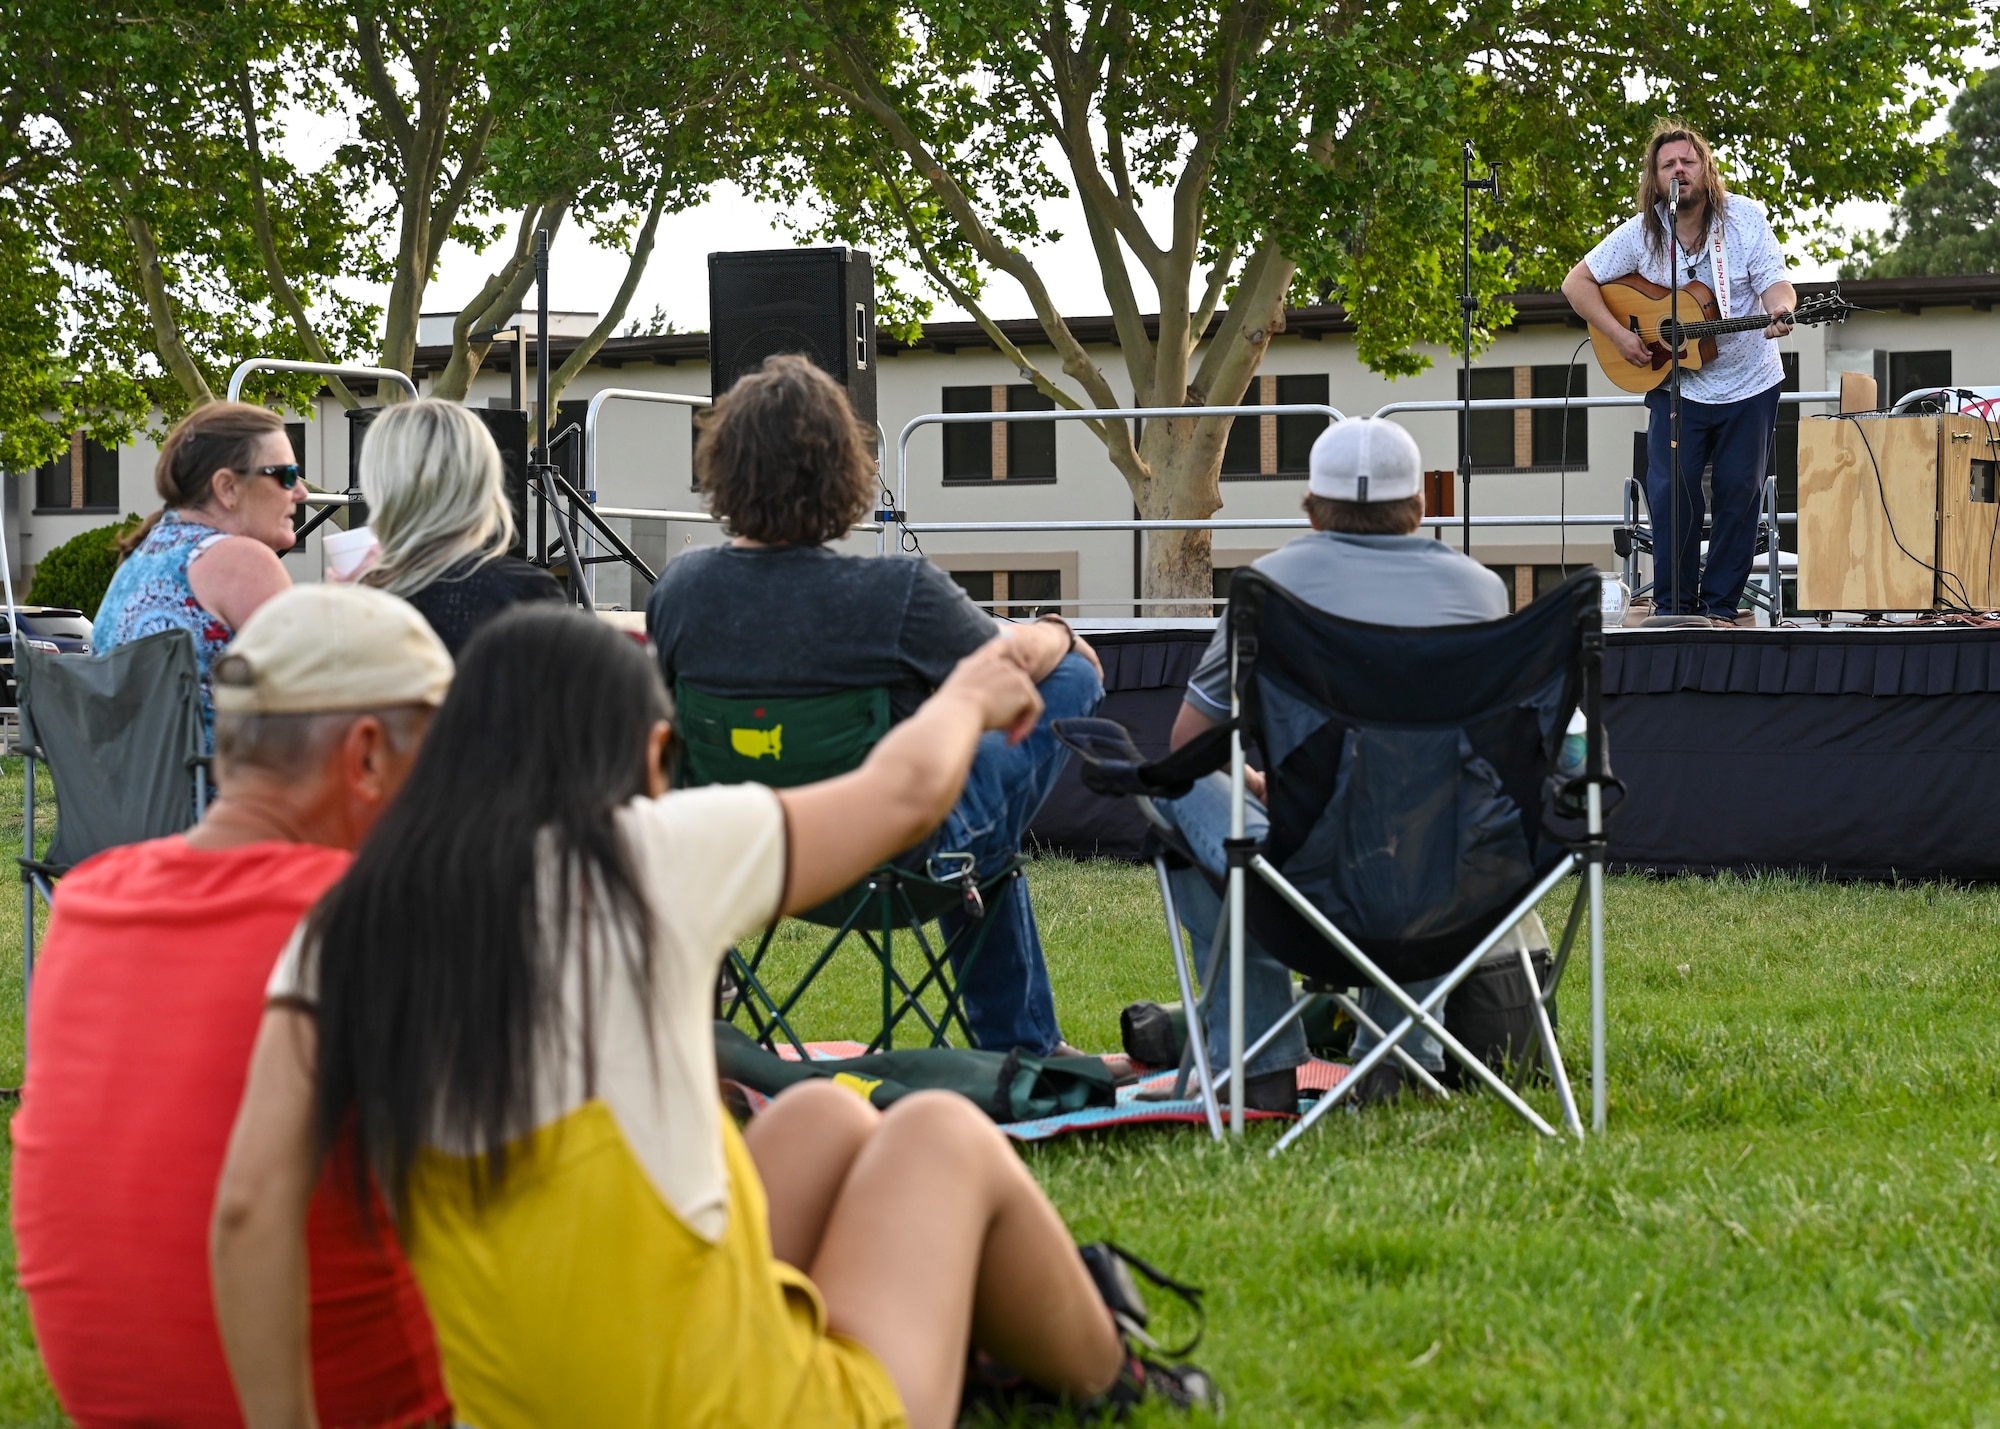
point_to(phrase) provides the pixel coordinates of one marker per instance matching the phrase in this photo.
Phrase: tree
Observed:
(1948, 221)
(1246, 154)
(129, 122)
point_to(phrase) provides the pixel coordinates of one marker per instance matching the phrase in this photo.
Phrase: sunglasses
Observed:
(287, 476)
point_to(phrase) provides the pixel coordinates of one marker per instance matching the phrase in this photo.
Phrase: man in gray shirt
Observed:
(1365, 560)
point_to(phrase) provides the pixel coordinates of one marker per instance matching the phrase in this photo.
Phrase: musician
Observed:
(1729, 405)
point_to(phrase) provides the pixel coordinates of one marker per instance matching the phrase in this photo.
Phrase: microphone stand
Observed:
(1675, 534)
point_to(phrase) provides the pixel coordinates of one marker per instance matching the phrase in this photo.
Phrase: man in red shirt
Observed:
(142, 1021)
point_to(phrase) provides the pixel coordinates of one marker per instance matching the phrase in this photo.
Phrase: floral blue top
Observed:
(150, 593)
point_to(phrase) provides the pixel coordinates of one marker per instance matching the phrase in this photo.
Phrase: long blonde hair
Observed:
(1652, 193)
(436, 494)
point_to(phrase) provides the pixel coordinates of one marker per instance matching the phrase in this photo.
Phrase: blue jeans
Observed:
(1008, 1000)
(1736, 437)
(1202, 816)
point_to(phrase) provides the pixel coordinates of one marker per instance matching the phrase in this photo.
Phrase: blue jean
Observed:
(1008, 1000)
(1736, 437)
(1202, 816)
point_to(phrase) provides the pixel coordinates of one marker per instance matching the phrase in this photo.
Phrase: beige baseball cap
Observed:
(324, 649)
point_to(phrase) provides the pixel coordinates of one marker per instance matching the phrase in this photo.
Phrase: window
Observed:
(1280, 444)
(1910, 372)
(1492, 436)
(1013, 595)
(1298, 430)
(1006, 451)
(968, 446)
(84, 480)
(1785, 454)
(1031, 446)
(1555, 441)
(1527, 439)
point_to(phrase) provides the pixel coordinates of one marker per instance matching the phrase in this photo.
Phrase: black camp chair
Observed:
(1416, 811)
(121, 733)
(785, 741)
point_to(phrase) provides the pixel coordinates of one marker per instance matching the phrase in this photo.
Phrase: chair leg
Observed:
(1409, 1064)
(1550, 1053)
(1197, 1038)
(1418, 1014)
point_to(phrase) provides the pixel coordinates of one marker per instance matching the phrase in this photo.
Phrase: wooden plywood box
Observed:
(1968, 514)
(1868, 513)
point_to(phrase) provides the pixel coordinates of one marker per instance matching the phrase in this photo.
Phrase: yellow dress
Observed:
(577, 1298)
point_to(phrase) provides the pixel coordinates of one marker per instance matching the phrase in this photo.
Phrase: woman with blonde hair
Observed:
(438, 508)
(208, 558)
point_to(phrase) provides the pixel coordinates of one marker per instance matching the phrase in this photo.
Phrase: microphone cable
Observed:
(1963, 601)
(1562, 466)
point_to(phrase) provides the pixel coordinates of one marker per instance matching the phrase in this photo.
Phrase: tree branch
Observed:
(499, 299)
(635, 267)
(260, 221)
(381, 86)
(472, 161)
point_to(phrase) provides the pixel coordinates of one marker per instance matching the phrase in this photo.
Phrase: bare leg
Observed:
(938, 1238)
(804, 1144)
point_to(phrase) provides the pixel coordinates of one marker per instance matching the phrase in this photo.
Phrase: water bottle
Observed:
(1575, 749)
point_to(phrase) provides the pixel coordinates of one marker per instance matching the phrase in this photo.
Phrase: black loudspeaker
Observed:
(509, 430)
(819, 302)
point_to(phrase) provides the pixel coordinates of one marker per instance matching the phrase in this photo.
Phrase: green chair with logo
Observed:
(789, 740)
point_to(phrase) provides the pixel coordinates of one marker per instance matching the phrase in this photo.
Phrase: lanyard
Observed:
(1721, 254)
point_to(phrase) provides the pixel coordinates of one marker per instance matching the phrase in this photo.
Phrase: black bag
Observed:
(1011, 1086)
(1493, 1013)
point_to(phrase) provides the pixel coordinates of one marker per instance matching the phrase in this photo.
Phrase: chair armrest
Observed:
(1114, 767)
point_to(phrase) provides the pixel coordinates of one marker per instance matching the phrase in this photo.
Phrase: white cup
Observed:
(345, 552)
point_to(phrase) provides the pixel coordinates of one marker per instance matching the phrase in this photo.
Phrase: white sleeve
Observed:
(1616, 254)
(712, 861)
(1763, 260)
(290, 979)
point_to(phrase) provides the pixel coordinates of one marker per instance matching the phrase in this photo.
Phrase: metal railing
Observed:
(323, 369)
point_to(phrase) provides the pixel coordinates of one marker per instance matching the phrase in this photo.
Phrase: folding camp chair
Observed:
(122, 735)
(785, 741)
(1416, 811)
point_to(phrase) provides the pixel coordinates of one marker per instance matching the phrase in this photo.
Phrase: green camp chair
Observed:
(785, 741)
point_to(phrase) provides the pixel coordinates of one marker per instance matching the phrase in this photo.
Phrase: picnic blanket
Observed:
(850, 1064)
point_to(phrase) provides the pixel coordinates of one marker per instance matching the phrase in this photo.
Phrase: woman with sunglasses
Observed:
(206, 560)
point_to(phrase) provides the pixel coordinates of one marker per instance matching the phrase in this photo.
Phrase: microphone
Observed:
(1674, 194)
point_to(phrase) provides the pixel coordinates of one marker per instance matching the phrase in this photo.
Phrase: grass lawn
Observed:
(1792, 1221)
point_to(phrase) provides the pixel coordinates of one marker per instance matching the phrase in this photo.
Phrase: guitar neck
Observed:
(1717, 326)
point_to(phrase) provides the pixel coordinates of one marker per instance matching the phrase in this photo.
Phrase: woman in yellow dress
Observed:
(508, 999)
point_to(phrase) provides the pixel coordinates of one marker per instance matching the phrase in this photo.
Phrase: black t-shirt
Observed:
(468, 595)
(803, 620)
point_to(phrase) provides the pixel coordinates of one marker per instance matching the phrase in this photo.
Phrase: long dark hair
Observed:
(439, 992)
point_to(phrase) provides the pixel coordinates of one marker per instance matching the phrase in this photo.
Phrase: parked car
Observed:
(48, 628)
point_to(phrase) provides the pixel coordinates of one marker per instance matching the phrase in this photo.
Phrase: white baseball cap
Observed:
(327, 649)
(1365, 459)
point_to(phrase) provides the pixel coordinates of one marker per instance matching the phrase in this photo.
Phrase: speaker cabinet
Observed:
(509, 430)
(1898, 513)
(818, 302)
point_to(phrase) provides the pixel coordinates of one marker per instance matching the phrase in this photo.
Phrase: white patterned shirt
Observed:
(1746, 363)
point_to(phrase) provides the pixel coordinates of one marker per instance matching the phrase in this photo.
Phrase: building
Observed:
(1913, 332)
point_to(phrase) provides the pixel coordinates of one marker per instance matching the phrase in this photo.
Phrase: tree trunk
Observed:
(1185, 460)
(167, 340)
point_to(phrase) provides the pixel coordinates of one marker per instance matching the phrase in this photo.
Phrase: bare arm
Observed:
(1191, 722)
(257, 1238)
(839, 829)
(1039, 646)
(1586, 297)
(235, 576)
(1780, 297)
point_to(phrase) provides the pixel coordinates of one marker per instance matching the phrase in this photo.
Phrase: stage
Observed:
(1839, 752)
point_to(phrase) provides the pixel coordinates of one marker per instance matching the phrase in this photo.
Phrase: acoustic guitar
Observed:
(1647, 309)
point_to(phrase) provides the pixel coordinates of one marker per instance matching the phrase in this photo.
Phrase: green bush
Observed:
(78, 572)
